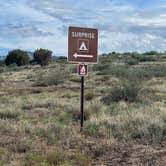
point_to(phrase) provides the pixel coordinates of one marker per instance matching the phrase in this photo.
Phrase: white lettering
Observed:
(83, 35)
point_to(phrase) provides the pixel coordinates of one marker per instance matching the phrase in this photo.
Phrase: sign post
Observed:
(82, 49)
(82, 103)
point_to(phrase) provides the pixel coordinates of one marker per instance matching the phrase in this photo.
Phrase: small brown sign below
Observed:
(82, 45)
(82, 70)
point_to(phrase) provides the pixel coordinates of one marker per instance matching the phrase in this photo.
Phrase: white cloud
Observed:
(156, 21)
(123, 26)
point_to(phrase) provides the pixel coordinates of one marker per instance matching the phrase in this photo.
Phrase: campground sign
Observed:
(82, 45)
(82, 49)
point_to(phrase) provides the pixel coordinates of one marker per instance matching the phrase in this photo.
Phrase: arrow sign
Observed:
(82, 45)
(82, 56)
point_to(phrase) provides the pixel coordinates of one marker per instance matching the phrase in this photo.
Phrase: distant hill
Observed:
(2, 58)
(54, 57)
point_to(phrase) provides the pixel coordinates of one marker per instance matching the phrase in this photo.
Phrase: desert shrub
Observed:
(55, 77)
(55, 157)
(146, 72)
(74, 111)
(5, 126)
(1, 80)
(13, 67)
(18, 57)
(122, 71)
(2, 69)
(93, 130)
(147, 126)
(42, 56)
(143, 72)
(128, 92)
(118, 71)
(53, 132)
(73, 69)
(101, 67)
(82, 159)
(66, 164)
(22, 146)
(9, 114)
(4, 156)
(99, 150)
(33, 158)
(103, 78)
(89, 95)
(131, 61)
(146, 58)
(75, 79)
(155, 70)
(46, 164)
(51, 158)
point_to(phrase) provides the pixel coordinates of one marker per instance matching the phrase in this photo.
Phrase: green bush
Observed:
(127, 92)
(101, 67)
(42, 56)
(18, 57)
(89, 95)
(9, 114)
(131, 61)
(23, 146)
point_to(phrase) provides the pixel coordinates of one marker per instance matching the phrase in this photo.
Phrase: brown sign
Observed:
(82, 45)
(82, 70)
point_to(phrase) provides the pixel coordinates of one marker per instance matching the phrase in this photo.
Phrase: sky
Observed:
(123, 25)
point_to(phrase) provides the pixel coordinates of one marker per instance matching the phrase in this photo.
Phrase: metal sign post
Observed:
(82, 103)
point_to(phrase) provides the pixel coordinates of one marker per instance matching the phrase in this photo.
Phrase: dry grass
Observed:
(35, 121)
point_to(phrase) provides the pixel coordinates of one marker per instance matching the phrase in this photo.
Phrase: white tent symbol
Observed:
(83, 70)
(83, 47)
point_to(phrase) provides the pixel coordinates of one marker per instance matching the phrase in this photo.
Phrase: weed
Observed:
(127, 92)
(89, 95)
(23, 146)
(75, 79)
(53, 132)
(83, 159)
(4, 156)
(50, 78)
(55, 157)
(9, 114)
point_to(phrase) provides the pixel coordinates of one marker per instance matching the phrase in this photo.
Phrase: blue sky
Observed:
(124, 25)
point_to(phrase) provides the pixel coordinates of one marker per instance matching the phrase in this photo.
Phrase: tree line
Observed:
(20, 57)
(44, 56)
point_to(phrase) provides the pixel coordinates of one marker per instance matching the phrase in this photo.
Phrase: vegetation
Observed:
(124, 113)
(18, 57)
(42, 56)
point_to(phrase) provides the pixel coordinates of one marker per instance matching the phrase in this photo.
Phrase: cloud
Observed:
(55, 9)
(22, 31)
(124, 25)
